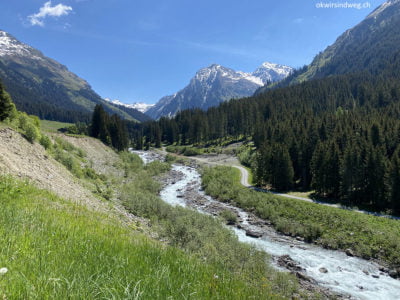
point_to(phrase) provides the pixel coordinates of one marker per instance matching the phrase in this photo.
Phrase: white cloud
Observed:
(49, 11)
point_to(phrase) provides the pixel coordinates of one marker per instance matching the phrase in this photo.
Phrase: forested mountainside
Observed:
(339, 135)
(45, 88)
(362, 48)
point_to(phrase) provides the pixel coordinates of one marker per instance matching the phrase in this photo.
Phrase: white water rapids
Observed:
(359, 278)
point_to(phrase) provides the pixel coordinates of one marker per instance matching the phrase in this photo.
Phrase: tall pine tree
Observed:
(7, 107)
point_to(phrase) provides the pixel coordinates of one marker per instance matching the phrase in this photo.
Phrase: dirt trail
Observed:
(230, 160)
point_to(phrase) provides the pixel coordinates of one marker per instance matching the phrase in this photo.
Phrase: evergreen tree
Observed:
(395, 182)
(319, 169)
(282, 170)
(375, 179)
(333, 171)
(97, 120)
(110, 130)
(7, 107)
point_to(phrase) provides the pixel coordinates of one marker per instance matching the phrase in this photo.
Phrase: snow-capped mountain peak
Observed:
(215, 84)
(214, 71)
(140, 106)
(270, 72)
(10, 46)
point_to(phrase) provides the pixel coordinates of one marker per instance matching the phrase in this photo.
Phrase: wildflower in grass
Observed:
(216, 276)
(3, 271)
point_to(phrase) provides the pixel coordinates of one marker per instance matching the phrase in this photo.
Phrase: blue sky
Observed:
(141, 50)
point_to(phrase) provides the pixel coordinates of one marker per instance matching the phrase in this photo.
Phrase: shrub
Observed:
(156, 167)
(31, 132)
(22, 120)
(170, 158)
(191, 151)
(229, 216)
(69, 162)
(45, 142)
(29, 126)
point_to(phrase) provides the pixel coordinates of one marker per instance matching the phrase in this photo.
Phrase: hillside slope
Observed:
(370, 46)
(42, 86)
(24, 160)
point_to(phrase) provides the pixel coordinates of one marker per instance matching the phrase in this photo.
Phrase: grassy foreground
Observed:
(367, 236)
(56, 250)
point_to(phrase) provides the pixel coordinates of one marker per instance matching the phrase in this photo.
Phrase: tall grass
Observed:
(368, 236)
(56, 250)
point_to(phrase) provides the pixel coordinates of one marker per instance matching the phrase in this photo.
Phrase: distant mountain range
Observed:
(41, 86)
(215, 84)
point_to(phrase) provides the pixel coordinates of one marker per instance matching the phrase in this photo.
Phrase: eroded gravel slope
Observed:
(22, 159)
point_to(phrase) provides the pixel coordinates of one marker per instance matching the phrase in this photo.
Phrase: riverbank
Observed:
(206, 238)
(365, 280)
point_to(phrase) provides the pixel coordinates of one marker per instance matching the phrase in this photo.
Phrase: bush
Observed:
(90, 173)
(29, 126)
(157, 167)
(22, 120)
(45, 142)
(65, 145)
(247, 158)
(229, 216)
(191, 151)
(31, 132)
(69, 162)
(170, 158)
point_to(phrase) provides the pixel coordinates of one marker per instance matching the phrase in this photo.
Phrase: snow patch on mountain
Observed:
(10, 46)
(140, 106)
(381, 8)
(271, 72)
(215, 84)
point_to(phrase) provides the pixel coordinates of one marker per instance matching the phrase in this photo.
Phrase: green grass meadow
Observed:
(57, 250)
(53, 126)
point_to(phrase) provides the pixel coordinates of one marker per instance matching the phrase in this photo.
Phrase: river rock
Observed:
(393, 273)
(375, 276)
(323, 270)
(349, 252)
(384, 269)
(253, 234)
(302, 276)
(365, 272)
(287, 262)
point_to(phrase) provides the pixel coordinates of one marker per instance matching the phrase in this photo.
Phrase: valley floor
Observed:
(232, 161)
(72, 235)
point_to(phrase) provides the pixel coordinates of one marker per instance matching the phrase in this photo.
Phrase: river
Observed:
(351, 276)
